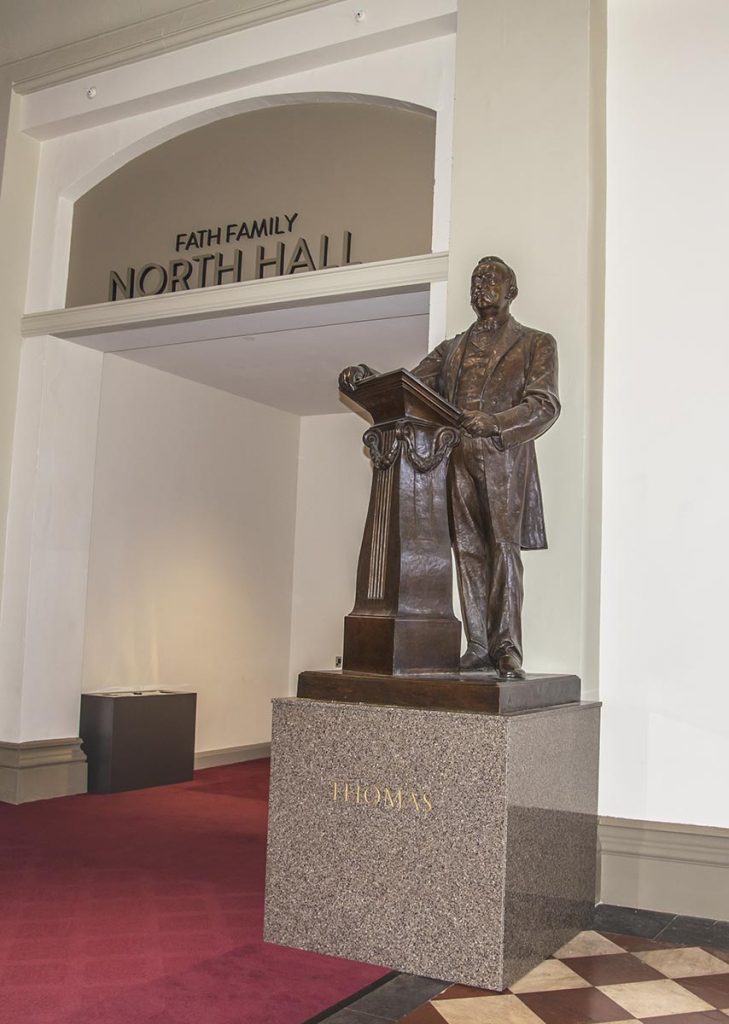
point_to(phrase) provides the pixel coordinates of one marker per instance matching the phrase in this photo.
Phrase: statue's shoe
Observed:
(509, 667)
(475, 660)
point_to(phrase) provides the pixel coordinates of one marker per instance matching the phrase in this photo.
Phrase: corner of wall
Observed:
(17, 199)
(594, 367)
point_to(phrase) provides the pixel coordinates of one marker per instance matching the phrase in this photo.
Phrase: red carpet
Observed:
(147, 908)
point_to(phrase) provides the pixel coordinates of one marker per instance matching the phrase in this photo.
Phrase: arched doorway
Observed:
(229, 487)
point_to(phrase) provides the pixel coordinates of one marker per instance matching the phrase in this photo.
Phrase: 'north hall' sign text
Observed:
(193, 267)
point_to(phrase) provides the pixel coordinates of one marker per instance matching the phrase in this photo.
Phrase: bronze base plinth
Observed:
(471, 691)
(392, 645)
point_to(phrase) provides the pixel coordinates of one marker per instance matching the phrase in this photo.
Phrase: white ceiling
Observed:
(291, 358)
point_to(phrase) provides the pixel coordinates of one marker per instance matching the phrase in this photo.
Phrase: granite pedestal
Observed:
(455, 845)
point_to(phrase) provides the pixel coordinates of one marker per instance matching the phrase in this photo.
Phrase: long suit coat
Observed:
(520, 390)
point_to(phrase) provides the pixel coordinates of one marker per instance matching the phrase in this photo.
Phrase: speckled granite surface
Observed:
(453, 845)
(551, 854)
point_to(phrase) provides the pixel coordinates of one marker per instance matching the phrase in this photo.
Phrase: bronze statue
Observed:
(503, 376)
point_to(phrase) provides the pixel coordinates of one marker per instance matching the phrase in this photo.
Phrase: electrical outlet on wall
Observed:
(338, 661)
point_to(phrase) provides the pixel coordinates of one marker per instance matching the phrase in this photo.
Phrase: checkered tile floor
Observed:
(599, 978)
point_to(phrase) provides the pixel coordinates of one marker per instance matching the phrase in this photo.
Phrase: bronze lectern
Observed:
(402, 621)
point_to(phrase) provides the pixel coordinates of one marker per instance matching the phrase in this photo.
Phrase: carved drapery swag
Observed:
(385, 445)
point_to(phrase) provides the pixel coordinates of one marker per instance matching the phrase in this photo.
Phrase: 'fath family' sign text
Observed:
(193, 267)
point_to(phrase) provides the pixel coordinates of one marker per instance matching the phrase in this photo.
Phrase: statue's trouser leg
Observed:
(506, 595)
(490, 572)
(468, 536)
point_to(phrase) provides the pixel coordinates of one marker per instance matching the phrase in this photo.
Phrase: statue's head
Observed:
(493, 287)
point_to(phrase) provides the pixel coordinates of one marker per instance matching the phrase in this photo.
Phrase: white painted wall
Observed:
(334, 487)
(665, 754)
(17, 196)
(49, 523)
(192, 548)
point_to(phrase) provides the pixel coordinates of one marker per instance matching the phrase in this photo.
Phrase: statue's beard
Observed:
(490, 317)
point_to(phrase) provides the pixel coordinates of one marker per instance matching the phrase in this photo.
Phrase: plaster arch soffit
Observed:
(159, 136)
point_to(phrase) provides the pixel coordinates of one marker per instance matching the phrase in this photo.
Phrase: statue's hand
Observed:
(352, 376)
(480, 424)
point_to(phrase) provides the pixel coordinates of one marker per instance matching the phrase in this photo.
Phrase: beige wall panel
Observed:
(522, 165)
(353, 167)
(678, 869)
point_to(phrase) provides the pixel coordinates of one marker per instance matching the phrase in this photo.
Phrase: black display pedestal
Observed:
(134, 739)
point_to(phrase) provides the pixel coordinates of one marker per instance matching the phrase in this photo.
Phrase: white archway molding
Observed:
(418, 76)
(119, 158)
(276, 47)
